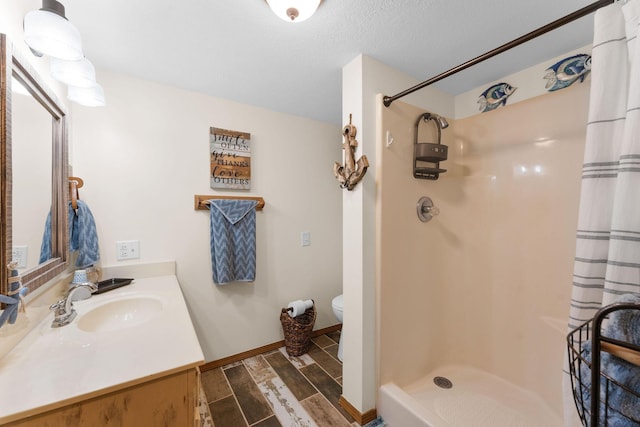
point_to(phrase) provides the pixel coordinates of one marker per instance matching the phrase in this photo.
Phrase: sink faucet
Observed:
(63, 309)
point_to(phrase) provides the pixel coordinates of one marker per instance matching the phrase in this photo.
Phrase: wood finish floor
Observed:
(274, 389)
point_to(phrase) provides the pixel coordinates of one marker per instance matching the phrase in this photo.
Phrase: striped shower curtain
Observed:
(607, 262)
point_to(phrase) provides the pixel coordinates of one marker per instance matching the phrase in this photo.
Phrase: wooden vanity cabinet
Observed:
(167, 401)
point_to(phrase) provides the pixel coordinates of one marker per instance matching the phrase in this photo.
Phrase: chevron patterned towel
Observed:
(83, 236)
(233, 240)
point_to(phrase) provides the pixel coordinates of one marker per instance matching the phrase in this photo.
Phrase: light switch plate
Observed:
(21, 255)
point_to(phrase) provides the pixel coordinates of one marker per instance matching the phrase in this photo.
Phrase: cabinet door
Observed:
(168, 402)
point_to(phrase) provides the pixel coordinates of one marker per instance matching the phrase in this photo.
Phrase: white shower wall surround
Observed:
(499, 257)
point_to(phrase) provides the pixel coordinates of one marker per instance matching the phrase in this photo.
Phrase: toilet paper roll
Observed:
(298, 307)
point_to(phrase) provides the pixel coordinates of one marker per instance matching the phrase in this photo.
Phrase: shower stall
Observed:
(477, 298)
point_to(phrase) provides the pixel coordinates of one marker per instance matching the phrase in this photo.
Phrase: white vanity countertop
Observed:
(54, 367)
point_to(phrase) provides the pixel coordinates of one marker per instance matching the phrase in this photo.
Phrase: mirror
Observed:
(33, 166)
(31, 160)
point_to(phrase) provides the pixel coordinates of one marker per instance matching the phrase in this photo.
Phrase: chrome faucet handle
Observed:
(58, 306)
(87, 285)
(64, 311)
(90, 285)
(81, 291)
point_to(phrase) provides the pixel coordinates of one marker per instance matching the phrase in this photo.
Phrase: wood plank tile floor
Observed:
(275, 389)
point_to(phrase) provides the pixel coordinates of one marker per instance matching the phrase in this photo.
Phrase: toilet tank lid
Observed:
(337, 301)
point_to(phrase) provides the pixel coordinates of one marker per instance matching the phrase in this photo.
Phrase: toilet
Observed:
(337, 305)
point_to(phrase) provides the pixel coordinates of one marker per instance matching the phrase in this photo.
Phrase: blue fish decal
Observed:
(565, 72)
(495, 96)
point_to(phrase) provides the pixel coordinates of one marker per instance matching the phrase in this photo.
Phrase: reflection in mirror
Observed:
(31, 154)
(33, 168)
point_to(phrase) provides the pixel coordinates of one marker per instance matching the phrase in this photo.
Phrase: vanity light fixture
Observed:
(48, 31)
(74, 73)
(88, 96)
(294, 10)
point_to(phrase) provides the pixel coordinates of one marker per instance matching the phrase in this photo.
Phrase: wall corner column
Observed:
(358, 248)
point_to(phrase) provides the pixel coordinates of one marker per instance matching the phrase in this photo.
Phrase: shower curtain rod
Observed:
(387, 100)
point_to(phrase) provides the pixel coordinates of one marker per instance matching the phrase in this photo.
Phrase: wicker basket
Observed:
(297, 331)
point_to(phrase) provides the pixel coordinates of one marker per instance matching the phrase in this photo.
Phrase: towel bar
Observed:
(201, 201)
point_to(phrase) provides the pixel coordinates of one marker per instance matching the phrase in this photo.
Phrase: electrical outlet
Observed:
(305, 238)
(20, 254)
(127, 249)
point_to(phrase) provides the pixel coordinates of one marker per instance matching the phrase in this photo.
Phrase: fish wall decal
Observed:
(495, 96)
(567, 71)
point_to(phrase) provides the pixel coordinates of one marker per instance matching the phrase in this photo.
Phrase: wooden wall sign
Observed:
(230, 153)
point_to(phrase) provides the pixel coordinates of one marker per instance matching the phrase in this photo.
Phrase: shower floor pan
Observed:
(476, 399)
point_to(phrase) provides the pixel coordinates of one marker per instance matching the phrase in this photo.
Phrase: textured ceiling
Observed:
(239, 50)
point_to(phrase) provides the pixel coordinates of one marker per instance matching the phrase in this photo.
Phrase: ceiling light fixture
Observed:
(74, 73)
(294, 10)
(48, 31)
(88, 96)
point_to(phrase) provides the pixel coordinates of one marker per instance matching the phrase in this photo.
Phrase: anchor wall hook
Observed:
(352, 172)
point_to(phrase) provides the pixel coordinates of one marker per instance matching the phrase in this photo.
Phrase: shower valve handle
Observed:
(426, 209)
(433, 210)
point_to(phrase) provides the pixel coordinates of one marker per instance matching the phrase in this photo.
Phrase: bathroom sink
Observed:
(121, 313)
(96, 349)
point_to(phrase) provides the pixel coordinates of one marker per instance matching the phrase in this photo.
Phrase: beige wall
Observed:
(363, 79)
(145, 155)
(485, 281)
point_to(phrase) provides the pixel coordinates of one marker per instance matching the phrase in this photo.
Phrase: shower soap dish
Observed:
(431, 153)
(111, 284)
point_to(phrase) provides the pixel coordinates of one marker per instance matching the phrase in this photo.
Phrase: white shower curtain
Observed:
(607, 262)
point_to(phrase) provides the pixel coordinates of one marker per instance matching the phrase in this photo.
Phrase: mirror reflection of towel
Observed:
(233, 240)
(83, 236)
(14, 297)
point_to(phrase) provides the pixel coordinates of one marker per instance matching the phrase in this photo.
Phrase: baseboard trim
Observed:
(361, 418)
(256, 351)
